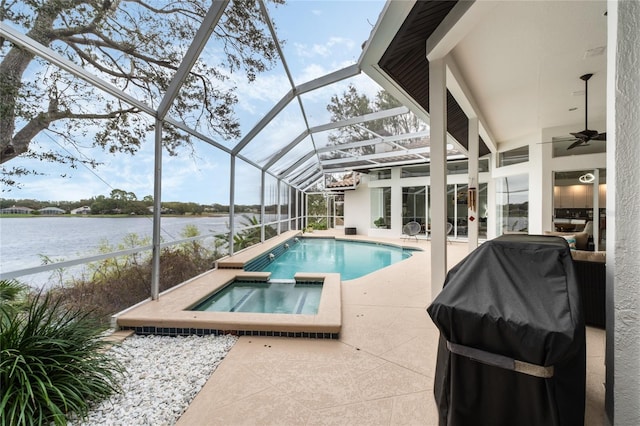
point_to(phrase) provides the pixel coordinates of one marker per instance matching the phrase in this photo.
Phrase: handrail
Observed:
(83, 260)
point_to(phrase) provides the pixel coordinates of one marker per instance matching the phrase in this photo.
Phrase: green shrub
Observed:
(118, 283)
(52, 363)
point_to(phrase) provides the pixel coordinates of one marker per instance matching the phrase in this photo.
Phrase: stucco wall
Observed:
(356, 208)
(623, 272)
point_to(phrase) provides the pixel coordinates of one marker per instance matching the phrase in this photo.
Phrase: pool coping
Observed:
(169, 314)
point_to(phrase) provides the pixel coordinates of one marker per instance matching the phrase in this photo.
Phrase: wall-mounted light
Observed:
(587, 178)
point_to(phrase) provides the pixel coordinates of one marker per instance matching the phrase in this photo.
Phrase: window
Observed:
(457, 167)
(457, 208)
(415, 171)
(512, 198)
(514, 156)
(381, 208)
(380, 174)
(414, 204)
(483, 206)
(580, 197)
(483, 165)
(560, 145)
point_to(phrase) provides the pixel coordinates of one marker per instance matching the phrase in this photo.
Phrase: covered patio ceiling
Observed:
(514, 65)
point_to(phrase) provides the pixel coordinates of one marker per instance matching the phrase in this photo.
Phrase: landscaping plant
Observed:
(52, 360)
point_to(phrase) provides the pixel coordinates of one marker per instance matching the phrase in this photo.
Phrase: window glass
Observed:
(457, 167)
(318, 211)
(574, 200)
(381, 208)
(414, 205)
(415, 171)
(457, 209)
(483, 206)
(513, 156)
(380, 174)
(512, 198)
(561, 145)
(339, 210)
(483, 165)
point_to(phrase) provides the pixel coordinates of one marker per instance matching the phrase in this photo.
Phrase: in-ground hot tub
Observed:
(269, 297)
(172, 313)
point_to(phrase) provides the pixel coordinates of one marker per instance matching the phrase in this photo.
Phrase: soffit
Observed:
(405, 61)
(521, 63)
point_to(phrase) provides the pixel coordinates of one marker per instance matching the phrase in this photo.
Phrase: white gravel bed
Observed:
(163, 375)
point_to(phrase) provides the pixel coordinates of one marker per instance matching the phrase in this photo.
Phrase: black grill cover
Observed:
(515, 296)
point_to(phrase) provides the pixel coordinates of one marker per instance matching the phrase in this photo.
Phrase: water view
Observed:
(27, 242)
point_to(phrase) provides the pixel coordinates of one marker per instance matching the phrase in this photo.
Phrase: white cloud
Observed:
(324, 50)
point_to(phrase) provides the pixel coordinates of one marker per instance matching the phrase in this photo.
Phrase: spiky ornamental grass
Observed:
(52, 363)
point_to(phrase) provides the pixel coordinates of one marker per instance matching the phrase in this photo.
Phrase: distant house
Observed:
(163, 210)
(81, 210)
(16, 210)
(51, 211)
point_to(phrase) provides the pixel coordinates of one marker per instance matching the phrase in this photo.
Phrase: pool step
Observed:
(243, 300)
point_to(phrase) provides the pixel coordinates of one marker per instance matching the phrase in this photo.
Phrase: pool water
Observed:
(351, 259)
(265, 297)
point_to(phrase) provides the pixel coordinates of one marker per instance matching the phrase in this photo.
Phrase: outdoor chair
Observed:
(448, 231)
(411, 229)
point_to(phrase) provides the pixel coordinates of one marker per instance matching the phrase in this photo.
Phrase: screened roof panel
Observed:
(222, 75)
(289, 157)
(317, 40)
(287, 122)
(276, 135)
(316, 101)
(302, 170)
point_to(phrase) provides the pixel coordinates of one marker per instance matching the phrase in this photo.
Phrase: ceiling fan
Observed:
(583, 137)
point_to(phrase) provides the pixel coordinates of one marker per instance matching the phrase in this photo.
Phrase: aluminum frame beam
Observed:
(373, 157)
(361, 119)
(193, 53)
(53, 57)
(381, 139)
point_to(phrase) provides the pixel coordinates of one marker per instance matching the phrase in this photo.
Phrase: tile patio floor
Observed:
(380, 371)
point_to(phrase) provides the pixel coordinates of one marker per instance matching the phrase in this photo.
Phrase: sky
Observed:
(320, 37)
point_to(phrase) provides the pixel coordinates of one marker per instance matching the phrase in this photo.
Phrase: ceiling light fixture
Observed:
(587, 178)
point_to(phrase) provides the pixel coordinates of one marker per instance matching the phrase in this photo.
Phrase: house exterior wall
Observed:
(623, 230)
(357, 203)
(356, 208)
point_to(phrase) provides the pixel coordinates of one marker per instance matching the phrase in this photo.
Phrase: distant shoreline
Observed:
(108, 216)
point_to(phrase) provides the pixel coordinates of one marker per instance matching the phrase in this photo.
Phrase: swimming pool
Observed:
(351, 259)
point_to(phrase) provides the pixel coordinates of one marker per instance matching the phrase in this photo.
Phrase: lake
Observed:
(24, 241)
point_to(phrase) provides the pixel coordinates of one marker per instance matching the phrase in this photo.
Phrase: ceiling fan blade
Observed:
(585, 134)
(558, 140)
(578, 142)
(601, 137)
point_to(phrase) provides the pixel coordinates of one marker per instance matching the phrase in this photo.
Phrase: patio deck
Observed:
(379, 372)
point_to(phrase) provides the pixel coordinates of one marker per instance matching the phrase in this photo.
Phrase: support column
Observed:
(622, 356)
(541, 213)
(262, 212)
(232, 201)
(474, 184)
(157, 211)
(596, 209)
(278, 216)
(438, 155)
